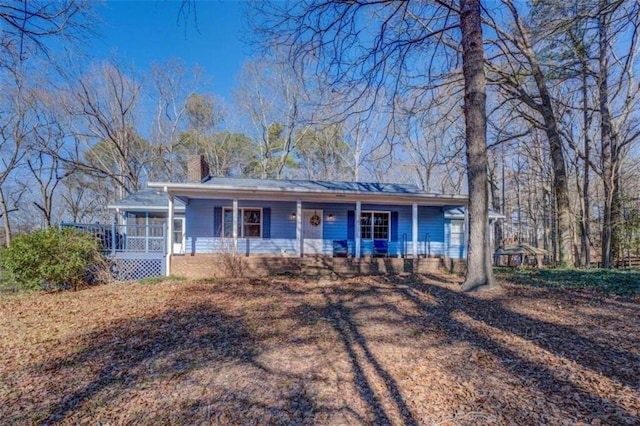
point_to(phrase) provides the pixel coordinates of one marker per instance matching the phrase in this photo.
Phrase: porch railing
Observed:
(130, 238)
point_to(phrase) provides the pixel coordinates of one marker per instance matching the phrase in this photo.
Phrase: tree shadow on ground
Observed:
(359, 353)
(143, 355)
(145, 352)
(616, 364)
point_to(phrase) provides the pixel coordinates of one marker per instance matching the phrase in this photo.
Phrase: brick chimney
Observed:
(197, 168)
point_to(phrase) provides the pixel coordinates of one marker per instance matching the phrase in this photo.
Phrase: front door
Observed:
(312, 223)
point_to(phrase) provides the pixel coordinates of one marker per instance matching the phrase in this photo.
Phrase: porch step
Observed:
(316, 266)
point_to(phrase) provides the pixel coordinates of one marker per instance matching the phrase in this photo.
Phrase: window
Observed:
(457, 232)
(249, 223)
(139, 223)
(177, 231)
(375, 225)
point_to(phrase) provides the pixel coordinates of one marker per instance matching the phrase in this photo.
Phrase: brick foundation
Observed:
(220, 265)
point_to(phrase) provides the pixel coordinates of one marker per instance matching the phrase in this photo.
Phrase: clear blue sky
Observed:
(150, 31)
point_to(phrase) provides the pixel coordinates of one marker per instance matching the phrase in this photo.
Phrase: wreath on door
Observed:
(315, 219)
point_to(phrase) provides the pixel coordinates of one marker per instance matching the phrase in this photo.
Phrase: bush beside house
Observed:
(53, 259)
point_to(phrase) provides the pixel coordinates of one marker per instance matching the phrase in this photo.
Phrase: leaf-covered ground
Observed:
(598, 282)
(288, 351)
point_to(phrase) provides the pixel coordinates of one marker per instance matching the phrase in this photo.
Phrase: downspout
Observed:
(299, 239)
(356, 229)
(414, 229)
(169, 237)
(235, 226)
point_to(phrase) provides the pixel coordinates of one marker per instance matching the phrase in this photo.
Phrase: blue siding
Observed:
(431, 221)
(201, 224)
(249, 246)
(335, 229)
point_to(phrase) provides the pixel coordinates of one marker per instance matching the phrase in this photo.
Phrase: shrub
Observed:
(232, 264)
(53, 259)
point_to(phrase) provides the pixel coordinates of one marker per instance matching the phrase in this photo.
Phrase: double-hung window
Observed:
(249, 222)
(375, 225)
(457, 232)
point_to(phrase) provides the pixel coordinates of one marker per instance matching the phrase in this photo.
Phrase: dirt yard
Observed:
(289, 351)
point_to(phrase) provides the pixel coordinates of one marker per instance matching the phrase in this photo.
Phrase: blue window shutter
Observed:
(351, 220)
(217, 221)
(394, 226)
(266, 222)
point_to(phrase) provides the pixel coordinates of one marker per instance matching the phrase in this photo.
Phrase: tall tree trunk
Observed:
(560, 185)
(5, 219)
(585, 226)
(479, 271)
(607, 143)
(545, 108)
(496, 206)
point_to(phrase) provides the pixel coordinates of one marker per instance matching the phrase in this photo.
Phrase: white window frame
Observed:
(459, 239)
(182, 221)
(372, 212)
(241, 224)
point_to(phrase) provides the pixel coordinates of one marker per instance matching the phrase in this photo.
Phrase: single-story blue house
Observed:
(296, 218)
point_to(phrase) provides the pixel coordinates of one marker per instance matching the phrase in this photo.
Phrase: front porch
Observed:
(301, 228)
(288, 218)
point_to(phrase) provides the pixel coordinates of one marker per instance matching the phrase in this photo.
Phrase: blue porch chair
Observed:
(340, 248)
(381, 248)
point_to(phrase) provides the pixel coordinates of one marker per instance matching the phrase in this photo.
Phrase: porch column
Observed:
(169, 236)
(299, 241)
(414, 229)
(356, 228)
(235, 226)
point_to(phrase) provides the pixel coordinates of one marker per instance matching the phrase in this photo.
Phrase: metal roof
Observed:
(145, 199)
(314, 190)
(521, 248)
(316, 185)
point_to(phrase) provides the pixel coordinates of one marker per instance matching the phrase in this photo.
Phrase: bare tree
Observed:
(27, 26)
(321, 152)
(104, 104)
(172, 87)
(17, 125)
(616, 133)
(433, 137)
(27, 31)
(82, 201)
(273, 97)
(383, 57)
(43, 160)
(479, 271)
(595, 43)
(520, 60)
